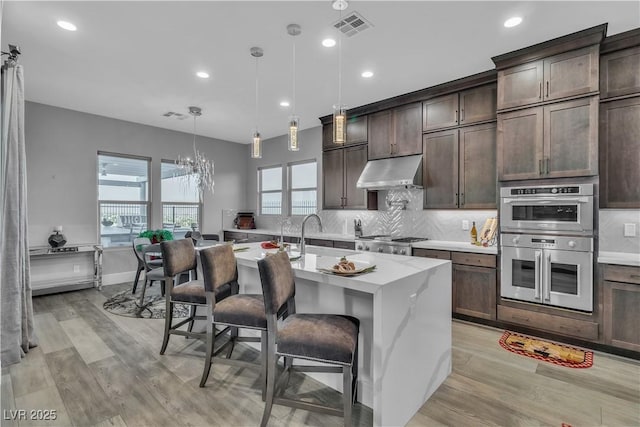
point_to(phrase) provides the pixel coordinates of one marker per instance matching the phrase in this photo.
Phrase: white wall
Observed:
(62, 148)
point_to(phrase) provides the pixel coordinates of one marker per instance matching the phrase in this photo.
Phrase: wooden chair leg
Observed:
(168, 317)
(209, 343)
(135, 282)
(271, 379)
(347, 400)
(144, 289)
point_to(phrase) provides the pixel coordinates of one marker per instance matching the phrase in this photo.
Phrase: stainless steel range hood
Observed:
(396, 172)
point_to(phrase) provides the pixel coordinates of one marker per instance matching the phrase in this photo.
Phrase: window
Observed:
(270, 190)
(181, 204)
(123, 198)
(303, 188)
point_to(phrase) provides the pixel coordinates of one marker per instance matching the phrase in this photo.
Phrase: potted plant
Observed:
(157, 236)
(109, 220)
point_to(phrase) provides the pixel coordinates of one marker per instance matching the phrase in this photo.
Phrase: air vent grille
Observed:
(173, 114)
(352, 24)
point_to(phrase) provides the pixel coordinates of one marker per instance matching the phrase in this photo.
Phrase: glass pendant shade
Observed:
(293, 133)
(256, 146)
(339, 124)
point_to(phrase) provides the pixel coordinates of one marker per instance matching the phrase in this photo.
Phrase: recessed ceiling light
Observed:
(202, 74)
(367, 74)
(328, 42)
(512, 22)
(284, 103)
(66, 25)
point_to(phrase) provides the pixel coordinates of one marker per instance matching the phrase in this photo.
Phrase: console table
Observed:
(71, 267)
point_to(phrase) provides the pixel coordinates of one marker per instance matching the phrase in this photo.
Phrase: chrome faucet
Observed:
(304, 222)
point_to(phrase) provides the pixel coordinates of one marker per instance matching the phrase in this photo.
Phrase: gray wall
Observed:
(62, 148)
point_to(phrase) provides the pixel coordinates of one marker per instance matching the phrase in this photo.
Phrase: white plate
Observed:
(327, 266)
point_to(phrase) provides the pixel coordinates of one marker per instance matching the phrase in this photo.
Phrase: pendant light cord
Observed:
(256, 94)
(340, 66)
(293, 107)
(194, 134)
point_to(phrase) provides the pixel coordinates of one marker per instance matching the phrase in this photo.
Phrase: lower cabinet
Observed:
(568, 326)
(621, 300)
(474, 285)
(247, 237)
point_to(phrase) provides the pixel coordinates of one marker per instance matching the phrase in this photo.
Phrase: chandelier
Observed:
(198, 169)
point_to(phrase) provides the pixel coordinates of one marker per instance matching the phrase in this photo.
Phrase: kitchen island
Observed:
(404, 307)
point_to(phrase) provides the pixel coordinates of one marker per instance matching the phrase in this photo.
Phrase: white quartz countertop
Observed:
(389, 268)
(455, 246)
(620, 258)
(311, 235)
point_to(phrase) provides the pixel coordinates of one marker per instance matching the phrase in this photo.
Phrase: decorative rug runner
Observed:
(125, 303)
(558, 354)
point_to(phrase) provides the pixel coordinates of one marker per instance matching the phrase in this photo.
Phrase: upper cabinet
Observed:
(620, 65)
(395, 132)
(356, 133)
(556, 77)
(467, 107)
(340, 172)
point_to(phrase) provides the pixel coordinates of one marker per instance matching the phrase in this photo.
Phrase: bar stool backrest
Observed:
(219, 267)
(278, 285)
(178, 256)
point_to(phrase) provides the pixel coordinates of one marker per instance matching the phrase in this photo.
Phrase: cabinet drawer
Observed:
(320, 242)
(234, 235)
(344, 245)
(561, 325)
(431, 253)
(260, 237)
(620, 273)
(479, 260)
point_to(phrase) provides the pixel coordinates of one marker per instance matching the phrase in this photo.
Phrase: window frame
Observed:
(148, 203)
(283, 202)
(199, 203)
(290, 188)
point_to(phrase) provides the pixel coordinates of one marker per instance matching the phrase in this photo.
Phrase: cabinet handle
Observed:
(462, 113)
(455, 115)
(547, 88)
(547, 166)
(461, 199)
(540, 167)
(540, 91)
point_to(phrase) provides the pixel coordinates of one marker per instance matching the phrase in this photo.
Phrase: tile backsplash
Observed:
(611, 230)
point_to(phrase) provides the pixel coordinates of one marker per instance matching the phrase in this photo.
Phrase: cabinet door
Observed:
(441, 112)
(620, 153)
(621, 316)
(478, 167)
(478, 104)
(620, 73)
(520, 85)
(332, 179)
(356, 130)
(380, 134)
(355, 159)
(474, 291)
(571, 73)
(407, 130)
(571, 138)
(327, 136)
(440, 169)
(519, 144)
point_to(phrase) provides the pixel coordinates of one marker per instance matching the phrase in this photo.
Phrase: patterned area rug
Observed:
(558, 354)
(124, 303)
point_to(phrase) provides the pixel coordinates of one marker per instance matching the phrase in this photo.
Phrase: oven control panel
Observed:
(567, 243)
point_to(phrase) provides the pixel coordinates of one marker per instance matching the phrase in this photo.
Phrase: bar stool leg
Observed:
(209, 344)
(271, 378)
(263, 364)
(168, 319)
(192, 315)
(347, 400)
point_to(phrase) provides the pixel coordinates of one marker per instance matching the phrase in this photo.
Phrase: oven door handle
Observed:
(537, 275)
(547, 285)
(545, 200)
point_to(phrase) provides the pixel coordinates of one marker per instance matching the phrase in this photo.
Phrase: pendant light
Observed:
(199, 167)
(256, 143)
(339, 110)
(294, 120)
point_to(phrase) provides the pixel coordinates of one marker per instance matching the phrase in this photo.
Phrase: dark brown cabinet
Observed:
(620, 73)
(356, 132)
(395, 132)
(340, 172)
(560, 76)
(467, 107)
(621, 299)
(474, 285)
(557, 140)
(247, 237)
(459, 168)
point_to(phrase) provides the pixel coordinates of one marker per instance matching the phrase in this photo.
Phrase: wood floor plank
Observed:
(46, 399)
(89, 345)
(31, 374)
(116, 421)
(50, 334)
(7, 401)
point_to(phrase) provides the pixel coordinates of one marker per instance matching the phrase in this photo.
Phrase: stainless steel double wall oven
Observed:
(547, 245)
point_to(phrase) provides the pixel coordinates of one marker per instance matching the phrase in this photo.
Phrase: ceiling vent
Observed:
(173, 114)
(352, 24)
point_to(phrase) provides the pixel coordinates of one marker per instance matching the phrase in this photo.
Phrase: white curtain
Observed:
(17, 334)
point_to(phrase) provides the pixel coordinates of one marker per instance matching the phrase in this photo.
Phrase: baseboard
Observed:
(116, 278)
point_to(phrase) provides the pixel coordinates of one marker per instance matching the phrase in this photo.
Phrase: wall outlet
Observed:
(630, 230)
(465, 224)
(76, 268)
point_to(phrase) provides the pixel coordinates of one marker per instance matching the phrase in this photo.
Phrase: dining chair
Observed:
(328, 338)
(138, 245)
(179, 256)
(246, 311)
(152, 273)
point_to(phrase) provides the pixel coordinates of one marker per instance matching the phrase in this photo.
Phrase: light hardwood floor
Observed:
(99, 369)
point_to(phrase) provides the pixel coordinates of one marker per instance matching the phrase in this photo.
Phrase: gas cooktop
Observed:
(389, 238)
